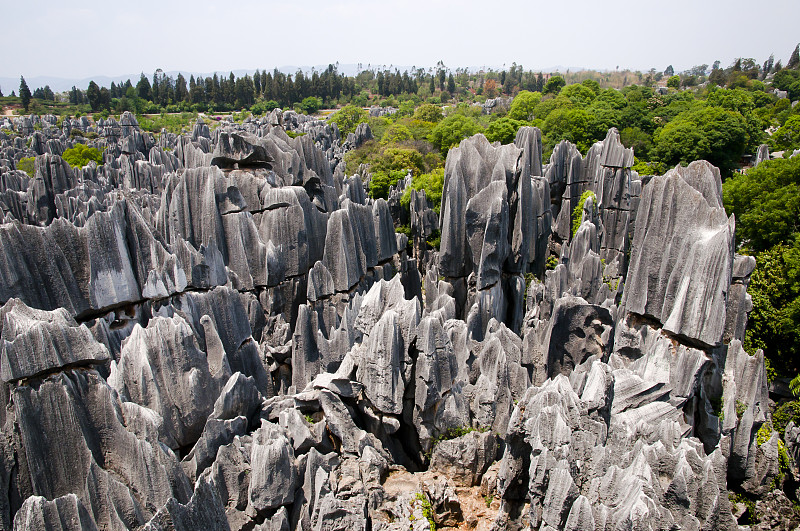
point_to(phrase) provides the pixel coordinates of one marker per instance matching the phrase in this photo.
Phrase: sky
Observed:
(100, 38)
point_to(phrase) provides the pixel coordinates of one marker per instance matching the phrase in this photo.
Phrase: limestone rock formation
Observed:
(223, 330)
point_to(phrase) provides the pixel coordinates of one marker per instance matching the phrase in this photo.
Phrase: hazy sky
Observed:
(93, 37)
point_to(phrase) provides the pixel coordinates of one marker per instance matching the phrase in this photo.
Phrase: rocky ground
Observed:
(223, 331)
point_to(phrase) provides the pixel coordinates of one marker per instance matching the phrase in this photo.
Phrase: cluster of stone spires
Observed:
(221, 330)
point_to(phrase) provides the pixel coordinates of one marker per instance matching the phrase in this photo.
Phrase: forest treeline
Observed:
(264, 90)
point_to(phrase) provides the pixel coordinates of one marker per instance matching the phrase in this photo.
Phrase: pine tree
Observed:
(93, 94)
(24, 93)
(143, 87)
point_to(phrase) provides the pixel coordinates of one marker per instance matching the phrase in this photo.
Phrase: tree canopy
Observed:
(766, 203)
(452, 130)
(347, 118)
(709, 133)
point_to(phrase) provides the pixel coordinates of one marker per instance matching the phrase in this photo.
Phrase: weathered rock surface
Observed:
(37, 341)
(682, 254)
(222, 330)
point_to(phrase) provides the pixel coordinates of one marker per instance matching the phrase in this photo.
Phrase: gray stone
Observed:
(234, 149)
(577, 331)
(73, 442)
(486, 230)
(682, 254)
(273, 479)
(204, 511)
(340, 256)
(37, 341)
(65, 513)
(382, 363)
(162, 368)
(466, 458)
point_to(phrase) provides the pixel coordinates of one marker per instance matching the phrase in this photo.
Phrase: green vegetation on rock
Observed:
(80, 155)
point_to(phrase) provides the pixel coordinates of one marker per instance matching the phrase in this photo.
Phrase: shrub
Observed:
(263, 107)
(382, 180)
(741, 407)
(432, 183)
(523, 106)
(427, 510)
(577, 212)
(784, 414)
(788, 136)
(27, 165)
(311, 104)
(80, 155)
(434, 240)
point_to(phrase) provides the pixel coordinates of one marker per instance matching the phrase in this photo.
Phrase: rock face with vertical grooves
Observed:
(222, 330)
(682, 254)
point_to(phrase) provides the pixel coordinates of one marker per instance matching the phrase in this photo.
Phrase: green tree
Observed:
(432, 183)
(428, 112)
(93, 95)
(347, 118)
(503, 130)
(452, 130)
(788, 80)
(396, 159)
(24, 93)
(613, 98)
(554, 85)
(524, 104)
(143, 87)
(311, 104)
(27, 165)
(794, 60)
(578, 94)
(380, 182)
(395, 134)
(788, 136)
(592, 84)
(674, 82)
(568, 123)
(717, 77)
(774, 323)
(766, 203)
(635, 138)
(710, 133)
